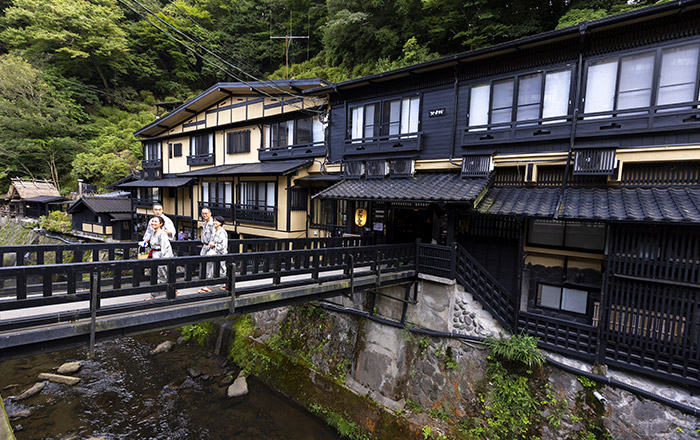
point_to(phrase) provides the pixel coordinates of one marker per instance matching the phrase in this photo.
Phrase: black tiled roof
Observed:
(610, 204)
(251, 169)
(45, 199)
(633, 204)
(103, 204)
(529, 202)
(445, 187)
(159, 183)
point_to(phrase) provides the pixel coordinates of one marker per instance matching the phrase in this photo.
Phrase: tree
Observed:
(82, 37)
(40, 124)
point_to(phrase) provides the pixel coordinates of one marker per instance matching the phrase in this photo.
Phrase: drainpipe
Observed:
(582, 27)
(454, 115)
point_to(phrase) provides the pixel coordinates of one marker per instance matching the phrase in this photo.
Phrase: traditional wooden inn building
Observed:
(240, 149)
(566, 164)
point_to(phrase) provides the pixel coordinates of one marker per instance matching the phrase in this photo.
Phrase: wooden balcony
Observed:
(384, 144)
(201, 159)
(293, 151)
(256, 214)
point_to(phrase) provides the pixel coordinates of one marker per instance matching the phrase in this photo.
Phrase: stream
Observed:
(127, 393)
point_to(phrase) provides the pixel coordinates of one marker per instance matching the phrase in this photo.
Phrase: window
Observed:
(202, 144)
(151, 151)
(217, 193)
(258, 195)
(534, 96)
(177, 150)
(679, 70)
(238, 142)
(627, 83)
(567, 299)
(393, 117)
(589, 236)
(605, 93)
(148, 195)
(303, 131)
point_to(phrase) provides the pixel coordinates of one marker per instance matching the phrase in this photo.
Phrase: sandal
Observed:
(149, 298)
(204, 290)
(223, 288)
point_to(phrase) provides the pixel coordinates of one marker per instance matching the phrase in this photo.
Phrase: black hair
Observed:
(220, 219)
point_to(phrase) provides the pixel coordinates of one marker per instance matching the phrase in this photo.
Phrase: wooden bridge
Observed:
(103, 286)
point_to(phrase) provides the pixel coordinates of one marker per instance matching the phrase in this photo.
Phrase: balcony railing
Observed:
(201, 159)
(148, 164)
(384, 144)
(536, 129)
(293, 151)
(218, 208)
(262, 215)
(145, 203)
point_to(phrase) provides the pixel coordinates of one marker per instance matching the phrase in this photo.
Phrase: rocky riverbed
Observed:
(134, 389)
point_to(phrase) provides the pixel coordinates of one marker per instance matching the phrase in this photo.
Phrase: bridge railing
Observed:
(56, 284)
(30, 255)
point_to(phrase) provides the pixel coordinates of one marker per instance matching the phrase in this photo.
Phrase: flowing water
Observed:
(127, 393)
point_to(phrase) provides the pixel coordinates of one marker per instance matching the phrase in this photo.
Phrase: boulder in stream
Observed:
(69, 368)
(20, 414)
(193, 372)
(35, 389)
(239, 386)
(57, 378)
(163, 347)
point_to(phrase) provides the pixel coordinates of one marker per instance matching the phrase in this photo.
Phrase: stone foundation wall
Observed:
(403, 370)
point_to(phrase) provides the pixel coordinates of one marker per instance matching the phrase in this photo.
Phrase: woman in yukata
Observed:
(219, 243)
(160, 248)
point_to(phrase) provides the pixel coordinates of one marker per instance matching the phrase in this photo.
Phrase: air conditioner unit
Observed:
(594, 161)
(403, 168)
(353, 170)
(531, 173)
(477, 165)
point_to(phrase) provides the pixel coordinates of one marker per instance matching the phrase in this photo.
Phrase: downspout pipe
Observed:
(687, 409)
(454, 115)
(583, 26)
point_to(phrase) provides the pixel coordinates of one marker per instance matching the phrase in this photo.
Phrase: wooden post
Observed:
(231, 287)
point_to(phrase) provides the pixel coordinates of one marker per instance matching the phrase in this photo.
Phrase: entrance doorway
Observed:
(409, 224)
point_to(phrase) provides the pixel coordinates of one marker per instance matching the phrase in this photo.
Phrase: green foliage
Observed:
(344, 427)
(519, 349)
(414, 406)
(427, 432)
(201, 333)
(587, 383)
(423, 344)
(251, 360)
(56, 221)
(438, 414)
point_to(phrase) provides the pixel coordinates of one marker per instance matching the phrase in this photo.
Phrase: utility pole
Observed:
(286, 47)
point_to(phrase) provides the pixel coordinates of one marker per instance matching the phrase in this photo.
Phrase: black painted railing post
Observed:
(277, 268)
(171, 280)
(94, 305)
(417, 255)
(453, 261)
(378, 259)
(231, 287)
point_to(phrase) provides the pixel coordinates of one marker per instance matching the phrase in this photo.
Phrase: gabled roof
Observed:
(28, 188)
(45, 199)
(220, 91)
(103, 205)
(439, 187)
(276, 168)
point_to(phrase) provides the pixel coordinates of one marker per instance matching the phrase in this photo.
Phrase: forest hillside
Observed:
(78, 77)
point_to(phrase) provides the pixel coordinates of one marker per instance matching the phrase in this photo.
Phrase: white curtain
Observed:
(270, 200)
(679, 67)
(502, 107)
(479, 105)
(600, 87)
(357, 122)
(529, 95)
(228, 193)
(409, 115)
(319, 131)
(205, 191)
(635, 81)
(556, 94)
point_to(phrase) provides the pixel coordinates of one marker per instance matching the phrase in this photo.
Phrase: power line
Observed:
(256, 88)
